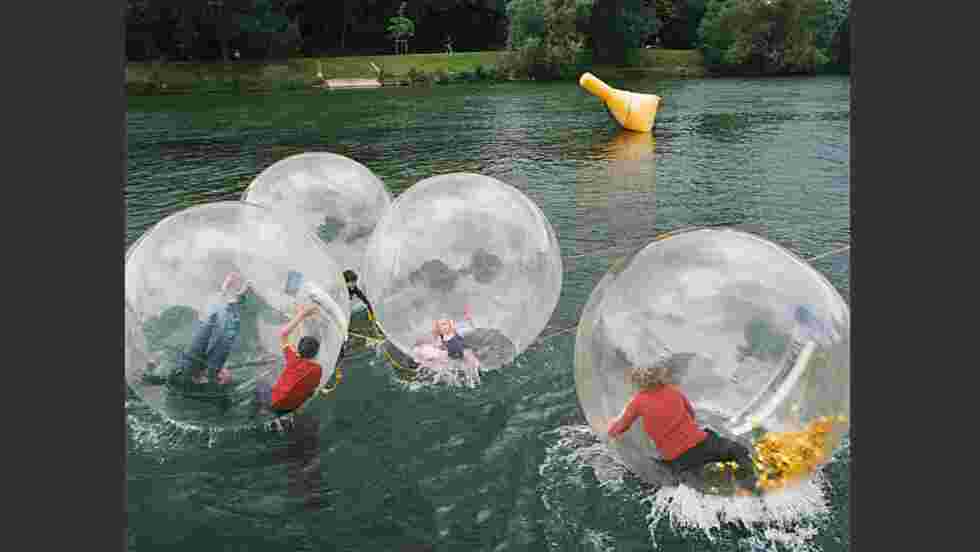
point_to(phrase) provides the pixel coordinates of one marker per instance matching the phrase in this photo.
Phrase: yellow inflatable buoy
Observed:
(633, 111)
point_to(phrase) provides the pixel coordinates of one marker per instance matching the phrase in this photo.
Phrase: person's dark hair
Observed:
(308, 347)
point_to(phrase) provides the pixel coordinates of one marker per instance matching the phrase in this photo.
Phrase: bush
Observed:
(526, 22)
(767, 36)
(526, 61)
(713, 40)
(637, 24)
(544, 41)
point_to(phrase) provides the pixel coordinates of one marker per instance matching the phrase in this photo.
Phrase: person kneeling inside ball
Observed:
(301, 375)
(447, 342)
(669, 421)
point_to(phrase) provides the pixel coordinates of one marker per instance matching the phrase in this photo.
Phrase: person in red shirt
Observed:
(669, 421)
(301, 375)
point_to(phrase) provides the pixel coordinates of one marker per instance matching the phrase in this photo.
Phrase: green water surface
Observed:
(380, 467)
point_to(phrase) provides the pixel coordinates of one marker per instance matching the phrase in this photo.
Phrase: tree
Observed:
(221, 16)
(400, 29)
(526, 22)
(563, 42)
(833, 32)
(140, 20)
(767, 36)
(695, 13)
(678, 22)
(618, 25)
(546, 37)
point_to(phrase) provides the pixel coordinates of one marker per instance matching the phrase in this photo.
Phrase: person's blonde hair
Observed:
(435, 326)
(651, 376)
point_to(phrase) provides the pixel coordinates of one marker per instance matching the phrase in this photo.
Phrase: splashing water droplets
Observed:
(790, 517)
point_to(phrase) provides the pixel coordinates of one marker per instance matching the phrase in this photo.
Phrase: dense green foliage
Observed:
(202, 30)
(617, 26)
(773, 36)
(678, 22)
(542, 39)
(550, 39)
(546, 38)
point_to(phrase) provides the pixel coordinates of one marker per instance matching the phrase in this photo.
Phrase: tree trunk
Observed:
(345, 18)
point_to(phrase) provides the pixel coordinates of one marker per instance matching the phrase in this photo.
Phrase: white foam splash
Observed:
(152, 433)
(790, 518)
(451, 375)
(599, 540)
(583, 449)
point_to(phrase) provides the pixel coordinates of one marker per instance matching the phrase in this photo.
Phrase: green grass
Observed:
(659, 57)
(668, 62)
(360, 66)
(300, 73)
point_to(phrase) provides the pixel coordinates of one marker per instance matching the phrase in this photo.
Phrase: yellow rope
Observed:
(371, 340)
(338, 375)
(374, 341)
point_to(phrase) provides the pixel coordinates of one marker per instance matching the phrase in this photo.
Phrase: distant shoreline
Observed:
(154, 77)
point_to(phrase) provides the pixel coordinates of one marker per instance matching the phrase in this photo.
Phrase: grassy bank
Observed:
(682, 63)
(300, 73)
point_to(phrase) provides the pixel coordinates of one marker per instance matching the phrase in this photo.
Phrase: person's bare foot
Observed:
(223, 377)
(153, 362)
(234, 286)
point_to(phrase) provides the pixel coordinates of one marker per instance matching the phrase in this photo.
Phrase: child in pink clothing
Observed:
(447, 343)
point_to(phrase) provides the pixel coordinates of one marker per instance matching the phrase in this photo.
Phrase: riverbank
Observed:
(303, 73)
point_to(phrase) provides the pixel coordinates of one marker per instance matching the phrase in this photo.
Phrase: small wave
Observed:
(789, 518)
(598, 540)
(150, 432)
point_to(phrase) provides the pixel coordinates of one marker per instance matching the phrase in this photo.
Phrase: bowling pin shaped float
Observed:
(633, 111)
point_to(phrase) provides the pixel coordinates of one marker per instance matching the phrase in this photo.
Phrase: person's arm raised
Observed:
(304, 312)
(465, 325)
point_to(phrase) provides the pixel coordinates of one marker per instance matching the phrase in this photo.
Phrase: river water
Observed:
(509, 465)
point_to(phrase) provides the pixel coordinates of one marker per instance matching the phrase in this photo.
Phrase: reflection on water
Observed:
(302, 457)
(615, 201)
(466, 469)
(630, 146)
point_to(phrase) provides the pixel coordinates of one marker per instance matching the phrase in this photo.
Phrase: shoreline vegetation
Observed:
(151, 78)
(292, 45)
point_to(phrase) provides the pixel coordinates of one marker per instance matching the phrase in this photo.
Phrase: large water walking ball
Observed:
(211, 287)
(459, 240)
(757, 339)
(338, 198)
